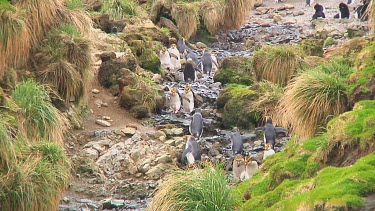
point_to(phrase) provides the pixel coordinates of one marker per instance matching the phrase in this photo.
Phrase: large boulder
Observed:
(235, 70)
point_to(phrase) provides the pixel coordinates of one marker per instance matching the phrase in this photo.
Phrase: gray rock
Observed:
(129, 131)
(103, 123)
(89, 153)
(95, 91)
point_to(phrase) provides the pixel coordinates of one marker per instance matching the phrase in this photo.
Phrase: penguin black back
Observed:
(270, 133)
(196, 125)
(189, 72)
(237, 143)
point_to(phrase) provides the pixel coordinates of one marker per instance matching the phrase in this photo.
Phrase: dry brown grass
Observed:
(187, 18)
(157, 6)
(212, 14)
(309, 102)
(236, 12)
(13, 52)
(277, 64)
(371, 12)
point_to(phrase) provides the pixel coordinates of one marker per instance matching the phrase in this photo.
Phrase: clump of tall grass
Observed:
(38, 118)
(310, 100)
(36, 179)
(14, 37)
(63, 62)
(269, 94)
(236, 12)
(371, 13)
(203, 190)
(187, 18)
(119, 9)
(212, 14)
(277, 64)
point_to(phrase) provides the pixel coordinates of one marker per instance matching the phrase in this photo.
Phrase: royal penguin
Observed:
(165, 60)
(190, 74)
(236, 142)
(196, 124)
(268, 151)
(206, 62)
(269, 132)
(175, 57)
(193, 56)
(238, 167)
(215, 65)
(181, 45)
(188, 100)
(175, 102)
(251, 166)
(191, 153)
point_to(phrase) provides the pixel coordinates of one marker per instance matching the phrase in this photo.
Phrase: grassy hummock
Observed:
(301, 178)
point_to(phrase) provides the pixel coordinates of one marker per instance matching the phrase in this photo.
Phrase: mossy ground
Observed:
(235, 70)
(295, 178)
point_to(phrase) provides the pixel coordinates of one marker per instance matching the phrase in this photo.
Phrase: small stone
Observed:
(95, 91)
(129, 131)
(258, 143)
(106, 118)
(289, 6)
(105, 104)
(90, 153)
(177, 131)
(171, 142)
(65, 200)
(159, 133)
(103, 123)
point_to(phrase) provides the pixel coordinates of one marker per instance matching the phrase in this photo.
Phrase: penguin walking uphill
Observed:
(269, 132)
(191, 153)
(175, 102)
(175, 57)
(206, 62)
(165, 59)
(251, 166)
(188, 100)
(196, 125)
(236, 142)
(189, 72)
(238, 167)
(268, 151)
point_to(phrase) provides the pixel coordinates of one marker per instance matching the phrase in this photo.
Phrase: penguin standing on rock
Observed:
(175, 102)
(175, 57)
(193, 56)
(191, 152)
(182, 46)
(236, 142)
(188, 100)
(269, 132)
(215, 65)
(189, 72)
(165, 59)
(196, 125)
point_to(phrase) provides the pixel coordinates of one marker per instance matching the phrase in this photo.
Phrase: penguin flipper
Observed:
(259, 129)
(187, 150)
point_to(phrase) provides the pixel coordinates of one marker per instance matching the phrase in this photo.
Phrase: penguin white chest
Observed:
(175, 103)
(165, 60)
(188, 102)
(250, 169)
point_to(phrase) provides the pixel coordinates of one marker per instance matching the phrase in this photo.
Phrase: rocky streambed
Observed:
(121, 168)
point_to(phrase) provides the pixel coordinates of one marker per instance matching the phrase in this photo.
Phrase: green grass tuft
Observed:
(120, 9)
(203, 190)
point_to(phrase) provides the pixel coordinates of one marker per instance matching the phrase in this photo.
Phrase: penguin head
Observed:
(197, 110)
(248, 159)
(173, 91)
(164, 49)
(213, 53)
(235, 129)
(173, 45)
(268, 120)
(187, 88)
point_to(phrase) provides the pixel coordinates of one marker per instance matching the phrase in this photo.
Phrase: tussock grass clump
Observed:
(203, 190)
(187, 18)
(36, 179)
(236, 12)
(277, 64)
(119, 9)
(310, 100)
(371, 11)
(63, 62)
(39, 119)
(269, 94)
(212, 14)
(14, 37)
